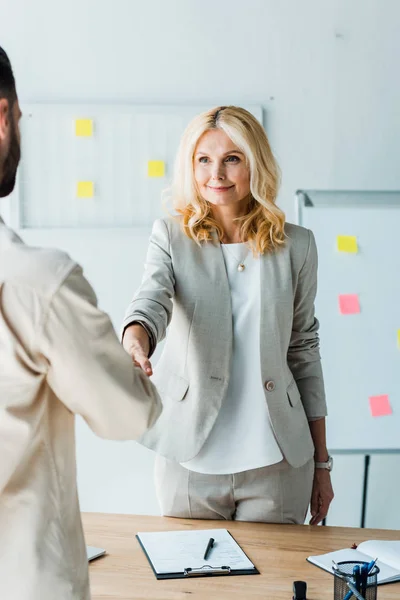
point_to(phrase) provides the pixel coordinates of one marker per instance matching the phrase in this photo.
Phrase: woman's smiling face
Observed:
(220, 170)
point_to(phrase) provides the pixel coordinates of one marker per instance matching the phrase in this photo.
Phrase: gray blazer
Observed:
(185, 286)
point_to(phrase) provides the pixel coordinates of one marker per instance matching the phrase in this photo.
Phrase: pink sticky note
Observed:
(349, 304)
(380, 406)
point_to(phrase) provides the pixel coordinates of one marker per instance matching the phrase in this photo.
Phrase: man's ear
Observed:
(4, 119)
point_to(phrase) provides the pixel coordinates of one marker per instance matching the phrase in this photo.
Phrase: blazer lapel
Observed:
(271, 296)
(218, 297)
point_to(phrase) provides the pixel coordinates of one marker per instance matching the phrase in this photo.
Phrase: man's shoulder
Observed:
(43, 269)
(50, 266)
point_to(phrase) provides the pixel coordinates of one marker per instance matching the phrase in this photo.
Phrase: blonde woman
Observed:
(242, 434)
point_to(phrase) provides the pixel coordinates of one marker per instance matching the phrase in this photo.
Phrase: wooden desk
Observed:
(279, 552)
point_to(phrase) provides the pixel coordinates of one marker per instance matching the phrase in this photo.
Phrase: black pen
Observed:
(209, 546)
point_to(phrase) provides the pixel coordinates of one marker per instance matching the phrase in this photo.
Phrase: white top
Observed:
(242, 437)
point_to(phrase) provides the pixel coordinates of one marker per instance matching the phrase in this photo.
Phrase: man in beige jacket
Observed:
(59, 356)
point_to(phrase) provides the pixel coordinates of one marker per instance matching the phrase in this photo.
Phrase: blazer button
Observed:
(270, 385)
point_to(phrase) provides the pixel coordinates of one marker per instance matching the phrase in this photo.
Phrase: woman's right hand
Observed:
(137, 344)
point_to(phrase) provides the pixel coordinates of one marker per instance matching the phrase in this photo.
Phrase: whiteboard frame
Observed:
(13, 204)
(363, 198)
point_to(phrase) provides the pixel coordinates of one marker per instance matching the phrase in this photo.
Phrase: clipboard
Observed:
(158, 545)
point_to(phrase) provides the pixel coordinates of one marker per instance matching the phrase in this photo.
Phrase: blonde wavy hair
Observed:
(263, 226)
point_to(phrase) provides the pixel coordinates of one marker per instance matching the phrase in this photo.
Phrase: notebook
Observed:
(388, 554)
(176, 554)
(93, 552)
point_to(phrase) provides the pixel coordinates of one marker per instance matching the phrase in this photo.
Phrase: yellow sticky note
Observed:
(347, 243)
(156, 168)
(85, 189)
(84, 127)
(398, 339)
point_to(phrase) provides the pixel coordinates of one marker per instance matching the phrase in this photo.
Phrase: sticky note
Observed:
(380, 406)
(84, 127)
(347, 243)
(156, 168)
(349, 304)
(85, 189)
(398, 338)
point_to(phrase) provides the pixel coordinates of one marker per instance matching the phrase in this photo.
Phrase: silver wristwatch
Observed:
(328, 465)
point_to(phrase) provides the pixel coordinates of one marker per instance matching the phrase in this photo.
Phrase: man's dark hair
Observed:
(7, 81)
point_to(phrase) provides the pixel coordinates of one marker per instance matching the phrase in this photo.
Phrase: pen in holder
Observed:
(355, 580)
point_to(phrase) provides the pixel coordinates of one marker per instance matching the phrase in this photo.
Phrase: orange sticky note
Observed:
(349, 304)
(380, 406)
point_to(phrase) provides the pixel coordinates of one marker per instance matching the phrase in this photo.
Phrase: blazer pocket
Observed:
(177, 387)
(293, 393)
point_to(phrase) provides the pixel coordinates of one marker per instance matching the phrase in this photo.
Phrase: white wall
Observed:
(326, 73)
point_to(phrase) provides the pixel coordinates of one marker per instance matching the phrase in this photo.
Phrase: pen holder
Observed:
(344, 573)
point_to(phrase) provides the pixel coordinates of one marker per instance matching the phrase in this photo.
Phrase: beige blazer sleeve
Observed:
(152, 303)
(89, 370)
(303, 353)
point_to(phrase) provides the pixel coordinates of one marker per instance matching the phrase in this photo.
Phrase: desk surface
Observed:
(279, 552)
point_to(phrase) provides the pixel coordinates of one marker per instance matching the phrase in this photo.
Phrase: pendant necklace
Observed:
(241, 266)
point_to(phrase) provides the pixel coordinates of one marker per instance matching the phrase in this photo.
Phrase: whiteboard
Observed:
(360, 353)
(114, 158)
